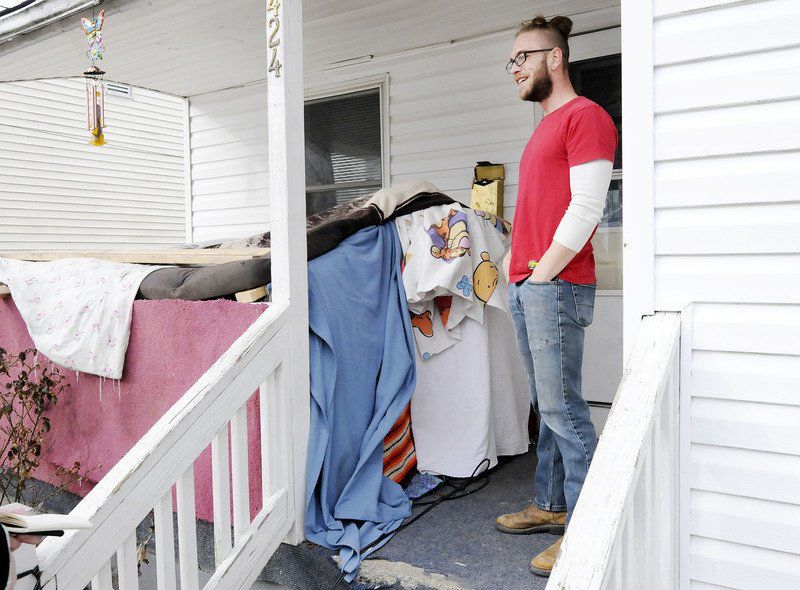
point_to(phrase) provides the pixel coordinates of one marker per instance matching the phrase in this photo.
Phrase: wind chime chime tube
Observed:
(95, 86)
(95, 105)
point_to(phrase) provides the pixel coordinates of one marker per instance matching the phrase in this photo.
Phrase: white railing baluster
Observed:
(660, 506)
(221, 483)
(102, 579)
(127, 570)
(187, 530)
(277, 442)
(165, 543)
(239, 469)
(647, 521)
(672, 461)
(610, 583)
(619, 573)
(671, 492)
(629, 547)
(622, 530)
(267, 405)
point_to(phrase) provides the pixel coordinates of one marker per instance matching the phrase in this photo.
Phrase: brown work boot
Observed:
(532, 520)
(542, 564)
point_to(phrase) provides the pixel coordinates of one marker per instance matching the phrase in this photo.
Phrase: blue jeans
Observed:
(550, 320)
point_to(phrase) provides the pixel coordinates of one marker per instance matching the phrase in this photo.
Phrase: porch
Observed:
(456, 546)
(338, 59)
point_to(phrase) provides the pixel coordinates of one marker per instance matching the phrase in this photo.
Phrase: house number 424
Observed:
(274, 26)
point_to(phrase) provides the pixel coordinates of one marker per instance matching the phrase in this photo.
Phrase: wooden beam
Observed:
(252, 295)
(171, 257)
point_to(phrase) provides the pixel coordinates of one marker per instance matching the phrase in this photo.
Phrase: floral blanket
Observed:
(77, 310)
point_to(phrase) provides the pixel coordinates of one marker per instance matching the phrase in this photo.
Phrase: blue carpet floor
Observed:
(458, 538)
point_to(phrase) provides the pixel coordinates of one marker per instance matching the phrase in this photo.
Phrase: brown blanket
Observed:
(325, 231)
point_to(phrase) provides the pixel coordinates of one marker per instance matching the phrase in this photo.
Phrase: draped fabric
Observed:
(362, 378)
(77, 310)
(399, 453)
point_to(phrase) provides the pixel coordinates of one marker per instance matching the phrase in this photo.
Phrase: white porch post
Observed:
(287, 205)
(638, 254)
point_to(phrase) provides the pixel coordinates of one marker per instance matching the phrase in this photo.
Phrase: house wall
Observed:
(441, 123)
(57, 191)
(727, 239)
(228, 160)
(449, 106)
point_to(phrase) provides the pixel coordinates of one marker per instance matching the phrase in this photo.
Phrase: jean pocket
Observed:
(584, 304)
(530, 282)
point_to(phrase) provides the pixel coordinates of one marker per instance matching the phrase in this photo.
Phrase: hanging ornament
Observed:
(95, 85)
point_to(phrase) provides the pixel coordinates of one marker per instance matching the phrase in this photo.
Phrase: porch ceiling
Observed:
(189, 47)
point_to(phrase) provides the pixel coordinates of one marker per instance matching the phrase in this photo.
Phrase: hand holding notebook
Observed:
(40, 524)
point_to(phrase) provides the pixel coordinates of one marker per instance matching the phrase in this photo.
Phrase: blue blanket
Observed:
(362, 377)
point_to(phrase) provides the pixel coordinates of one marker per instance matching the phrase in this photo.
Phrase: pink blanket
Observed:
(172, 344)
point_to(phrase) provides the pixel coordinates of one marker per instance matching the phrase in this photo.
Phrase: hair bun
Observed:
(562, 24)
(538, 22)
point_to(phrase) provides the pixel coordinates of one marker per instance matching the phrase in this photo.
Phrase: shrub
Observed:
(27, 390)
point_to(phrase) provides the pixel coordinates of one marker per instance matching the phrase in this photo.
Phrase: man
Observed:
(564, 175)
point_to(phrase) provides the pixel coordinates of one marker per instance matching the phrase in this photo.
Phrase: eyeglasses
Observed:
(522, 56)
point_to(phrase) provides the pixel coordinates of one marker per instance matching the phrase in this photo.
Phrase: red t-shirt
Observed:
(576, 133)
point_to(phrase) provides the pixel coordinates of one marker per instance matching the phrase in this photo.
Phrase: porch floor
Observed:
(458, 538)
(453, 547)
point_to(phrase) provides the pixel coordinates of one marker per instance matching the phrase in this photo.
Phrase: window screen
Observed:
(343, 149)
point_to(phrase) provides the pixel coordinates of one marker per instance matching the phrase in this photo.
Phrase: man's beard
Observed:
(541, 86)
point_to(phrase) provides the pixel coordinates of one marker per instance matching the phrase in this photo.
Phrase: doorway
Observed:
(596, 72)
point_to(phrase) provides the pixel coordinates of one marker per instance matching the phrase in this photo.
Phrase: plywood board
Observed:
(177, 257)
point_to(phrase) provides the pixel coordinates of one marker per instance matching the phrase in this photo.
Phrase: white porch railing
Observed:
(142, 481)
(624, 531)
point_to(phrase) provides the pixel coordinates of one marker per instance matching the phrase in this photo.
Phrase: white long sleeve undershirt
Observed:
(589, 186)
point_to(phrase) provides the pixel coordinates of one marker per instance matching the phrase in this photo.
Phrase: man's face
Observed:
(533, 78)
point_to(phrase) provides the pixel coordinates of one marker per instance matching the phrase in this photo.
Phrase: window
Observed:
(600, 80)
(343, 149)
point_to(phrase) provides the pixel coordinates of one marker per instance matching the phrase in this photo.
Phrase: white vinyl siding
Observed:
(57, 191)
(444, 117)
(727, 122)
(743, 364)
(437, 133)
(441, 124)
(727, 239)
(229, 157)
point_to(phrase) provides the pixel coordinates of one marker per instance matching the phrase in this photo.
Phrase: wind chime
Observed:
(95, 86)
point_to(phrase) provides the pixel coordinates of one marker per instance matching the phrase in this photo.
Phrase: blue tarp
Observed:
(362, 377)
